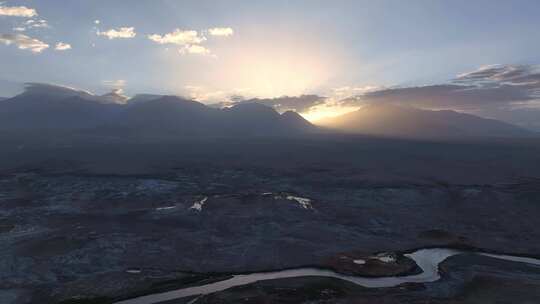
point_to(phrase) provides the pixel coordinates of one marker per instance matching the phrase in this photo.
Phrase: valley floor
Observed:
(83, 231)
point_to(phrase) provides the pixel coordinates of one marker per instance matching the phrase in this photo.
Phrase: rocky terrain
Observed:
(74, 237)
(82, 223)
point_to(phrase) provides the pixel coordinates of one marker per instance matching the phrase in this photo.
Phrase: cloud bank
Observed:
(489, 86)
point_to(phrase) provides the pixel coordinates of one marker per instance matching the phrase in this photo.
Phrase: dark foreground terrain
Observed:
(98, 222)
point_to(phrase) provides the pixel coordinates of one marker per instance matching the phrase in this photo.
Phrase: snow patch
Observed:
(199, 204)
(386, 257)
(165, 208)
(304, 202)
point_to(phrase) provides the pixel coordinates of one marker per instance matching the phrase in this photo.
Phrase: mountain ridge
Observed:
(150, 115)
(48, 107)
(404, 121)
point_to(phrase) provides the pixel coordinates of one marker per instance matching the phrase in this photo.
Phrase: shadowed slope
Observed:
(400, 121)
(152, 116)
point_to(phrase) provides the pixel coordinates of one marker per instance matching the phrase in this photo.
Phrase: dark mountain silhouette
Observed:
(296, 121)
(179, 116)
(35, 111)
(146, 115)
(143, 98)
(401, 121)
(167, 114)
(61, 109)
(254, 118)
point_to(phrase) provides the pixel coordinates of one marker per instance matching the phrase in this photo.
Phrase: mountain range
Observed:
(60, 109)
(64, 109)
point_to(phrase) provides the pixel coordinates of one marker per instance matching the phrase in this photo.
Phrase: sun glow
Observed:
(264, 63)
(327, 110)
(271, 72)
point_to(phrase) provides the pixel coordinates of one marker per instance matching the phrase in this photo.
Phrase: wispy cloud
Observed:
(61, 46)
(119, 33)
(347, 91)
(119, 83)
(40, 23)
(194, 49)
(527, 76)
(17, 11)
(24, 42)
(221, 31)
(204, 94)
(178, 37)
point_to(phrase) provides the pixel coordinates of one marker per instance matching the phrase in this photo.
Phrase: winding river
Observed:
(427, 259)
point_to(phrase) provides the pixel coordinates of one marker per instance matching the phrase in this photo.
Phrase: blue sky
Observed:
(276, 47)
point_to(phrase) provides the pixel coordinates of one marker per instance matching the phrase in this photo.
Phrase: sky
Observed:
(211, 50)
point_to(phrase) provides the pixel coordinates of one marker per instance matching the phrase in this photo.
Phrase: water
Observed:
(512, 258)
(427, 259)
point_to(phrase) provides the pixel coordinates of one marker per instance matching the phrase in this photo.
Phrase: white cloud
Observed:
(179, 37)
(24, 42)
(19, 29)
(221, 31)
(194, 49)
(61, 46)
(190, 40)
(17, 11)
(97, 21)
(122, 32)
